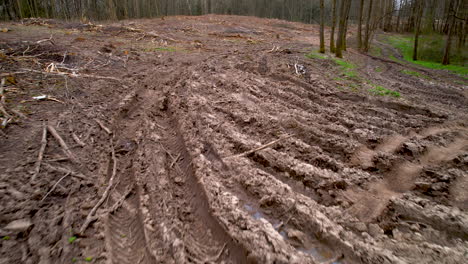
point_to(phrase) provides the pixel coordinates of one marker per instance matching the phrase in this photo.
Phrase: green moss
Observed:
(415, 73)
(382, 91)
(378, 69)
(405, 45)
(163, 49)
(316, 55)
(88, 259)
(71, 239)
(6, 238)
(347, 67)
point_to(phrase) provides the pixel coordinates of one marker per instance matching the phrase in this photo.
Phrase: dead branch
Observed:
(62, 143)
(44, 40)
(6, 115)
(259, 148)
(119, 203)
(70, 74)
(90, 217)
(65, 170)
(108, 131)
(77, 140)
(55, 185)
(41, 152)
(174, 161)
(216, 257)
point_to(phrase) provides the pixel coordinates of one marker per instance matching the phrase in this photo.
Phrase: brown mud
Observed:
(355, 178)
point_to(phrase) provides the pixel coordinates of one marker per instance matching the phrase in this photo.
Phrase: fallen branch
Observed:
(70, 74)
(53, 187)
(119, 203)
(6, 115)
(41, 152)
(108, 131)
(44, 40)
(77, 140)
(216, 257)
(90, 217)
(259, 148)
(62, 143)
(65, 170)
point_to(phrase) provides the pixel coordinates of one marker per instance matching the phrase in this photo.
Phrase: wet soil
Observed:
(165, 107)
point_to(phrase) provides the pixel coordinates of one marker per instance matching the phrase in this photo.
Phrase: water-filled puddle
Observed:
(317, 252)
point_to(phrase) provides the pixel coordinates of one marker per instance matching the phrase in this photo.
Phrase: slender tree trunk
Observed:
(368, 27)
(453, 8)
(344, 11)
(332, 35)
(359, 32)
(322, 21)
(400, 5)
(417, 27)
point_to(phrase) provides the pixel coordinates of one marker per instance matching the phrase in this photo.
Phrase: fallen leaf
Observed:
(11, 79)
(5, 30)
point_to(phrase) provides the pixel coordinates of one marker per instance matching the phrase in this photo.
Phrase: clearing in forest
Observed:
(224, 139)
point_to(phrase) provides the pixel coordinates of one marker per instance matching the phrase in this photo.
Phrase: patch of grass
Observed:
(378, 69)
(6, 238)
(427, 57)
(347, 67)
(71, 239)
(164, 49)
(316, 55)
(74, 260)
(382, 91)
(376, 51)
(415, 73)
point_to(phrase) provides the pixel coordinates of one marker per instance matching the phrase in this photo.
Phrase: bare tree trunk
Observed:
(417, 27)
(332, 35)
(453, 9)
(322, 34)
(344, 11)
(368, 27)
(359, 32)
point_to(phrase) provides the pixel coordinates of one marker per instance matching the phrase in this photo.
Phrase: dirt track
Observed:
(355, 178)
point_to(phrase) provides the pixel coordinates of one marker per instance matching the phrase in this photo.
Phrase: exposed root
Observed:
(91, 214)
(62, 143)
(41, 152)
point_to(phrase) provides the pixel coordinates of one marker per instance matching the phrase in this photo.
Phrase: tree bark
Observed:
(359, 33)
(322, 21)
(332, 35)
(344, 11)
(368, 27)
(417, 27)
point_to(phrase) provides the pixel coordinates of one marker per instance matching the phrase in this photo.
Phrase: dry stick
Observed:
(71, 74)
(41, 152)
(64, 170)
(90, 217)
(62, 143)
(55, 185)
(2, 100)
(108, 131)
(259, 148)
(77, 140)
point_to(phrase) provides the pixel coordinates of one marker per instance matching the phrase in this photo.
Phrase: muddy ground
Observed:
(159, 119)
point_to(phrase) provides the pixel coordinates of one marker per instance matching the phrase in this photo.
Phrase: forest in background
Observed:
(444, 21)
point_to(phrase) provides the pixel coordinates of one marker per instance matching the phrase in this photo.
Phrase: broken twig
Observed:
(90, 217)
(41, 152)
(62, 143)
(65, 170)
(259, 148)
(108, 131)
(55, 185)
